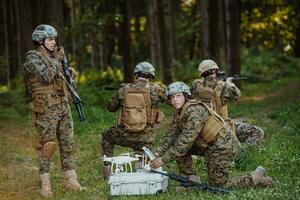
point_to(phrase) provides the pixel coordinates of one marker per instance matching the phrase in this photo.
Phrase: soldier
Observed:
(198, 130)
(216, 93)
(138, 105)
(49, 100)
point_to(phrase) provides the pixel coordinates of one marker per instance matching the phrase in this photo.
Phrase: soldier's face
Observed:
(177, 100)
(50, 43)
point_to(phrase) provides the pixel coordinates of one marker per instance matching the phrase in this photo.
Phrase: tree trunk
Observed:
(126, 41)
(26, 26)
(232, 42)
(53, 15)
(210, 30)
(165, 51)
(174, 10)
(154, 37)
(12, 42)
(297, 31)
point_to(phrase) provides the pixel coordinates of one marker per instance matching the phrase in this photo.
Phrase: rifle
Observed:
(221, 76)
(71, 84)
(188, 183)
(110, 88)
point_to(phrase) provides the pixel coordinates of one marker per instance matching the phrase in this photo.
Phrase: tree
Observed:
(165, 49)
(210, 30)
(126, 41)
(153, 33)
(232, 36)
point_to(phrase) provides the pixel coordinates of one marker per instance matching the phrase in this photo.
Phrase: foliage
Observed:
(261, 65)
(269, 28)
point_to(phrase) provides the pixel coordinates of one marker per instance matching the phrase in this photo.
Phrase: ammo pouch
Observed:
(160, 117)
(39, 104)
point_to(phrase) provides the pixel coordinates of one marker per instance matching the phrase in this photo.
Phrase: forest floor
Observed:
(273, 106)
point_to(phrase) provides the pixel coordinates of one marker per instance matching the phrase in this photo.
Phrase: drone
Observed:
(123, 162)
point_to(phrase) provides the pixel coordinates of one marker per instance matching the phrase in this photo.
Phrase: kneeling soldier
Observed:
(138, 105)
(198, 130)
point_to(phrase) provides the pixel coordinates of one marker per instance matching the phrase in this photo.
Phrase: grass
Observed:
(272, 105)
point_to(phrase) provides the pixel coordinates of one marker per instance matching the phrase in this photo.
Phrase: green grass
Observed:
(277, 111)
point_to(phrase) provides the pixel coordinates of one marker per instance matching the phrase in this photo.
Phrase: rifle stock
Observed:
(187, 183)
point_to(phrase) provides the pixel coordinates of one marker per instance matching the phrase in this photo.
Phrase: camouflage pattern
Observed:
(206, 65)
(178, 87)
(246, 133)
(229, 93)
(117, 135)
(55, 122)
(144, 67)
(180, 144)
(249, 134)
(43, 31)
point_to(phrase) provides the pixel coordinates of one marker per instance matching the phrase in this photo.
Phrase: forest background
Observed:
(104, 40)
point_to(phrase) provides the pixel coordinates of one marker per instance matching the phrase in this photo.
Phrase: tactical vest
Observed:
(212, 97)
(212, 126)
(43, 96)
(137, 110)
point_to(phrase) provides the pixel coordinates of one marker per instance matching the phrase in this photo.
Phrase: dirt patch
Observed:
(18, 169)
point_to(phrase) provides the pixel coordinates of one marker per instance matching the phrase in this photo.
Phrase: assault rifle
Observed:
(188, 183)
(110, 88)
(71, 84)
(222, 76)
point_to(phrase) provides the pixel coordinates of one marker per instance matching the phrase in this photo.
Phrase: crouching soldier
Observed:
(216, 94)
(198, 130)
(138, 113)
(50, 104)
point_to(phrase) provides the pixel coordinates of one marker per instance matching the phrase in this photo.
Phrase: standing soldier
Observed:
(198, 130)
(50, 104)
(216, 93)
(138, 105)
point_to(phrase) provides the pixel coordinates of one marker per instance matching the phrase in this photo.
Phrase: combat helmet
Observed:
(144, 68)
(43, 31)
(206, 65)
(178, 87)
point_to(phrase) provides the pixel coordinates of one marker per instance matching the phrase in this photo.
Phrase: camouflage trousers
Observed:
(56, 125)
(119, 136)
(218, 159)
(248, 134)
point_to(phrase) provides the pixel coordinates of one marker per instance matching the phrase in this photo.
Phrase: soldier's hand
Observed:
(156, 163)
(229, 80)
(59, 53)
(73, 72)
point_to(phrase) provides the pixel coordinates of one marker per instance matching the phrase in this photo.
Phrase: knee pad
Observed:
(49, 149)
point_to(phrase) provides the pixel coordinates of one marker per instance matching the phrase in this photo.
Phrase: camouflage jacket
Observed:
(229, 92)
(183, 133)
(35, 66)
(157, 94)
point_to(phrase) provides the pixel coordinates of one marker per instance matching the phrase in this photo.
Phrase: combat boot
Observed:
(71, 181)
(46, 185)
(259, 177)
(106, 171)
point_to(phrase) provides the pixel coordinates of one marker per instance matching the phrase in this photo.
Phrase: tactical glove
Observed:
(73, 72)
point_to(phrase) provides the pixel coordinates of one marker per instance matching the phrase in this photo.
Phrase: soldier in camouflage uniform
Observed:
(216, 93)
(133, 135)
(198, 130)
(49, 101)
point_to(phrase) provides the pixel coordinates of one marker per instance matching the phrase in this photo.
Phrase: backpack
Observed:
(136, 109)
